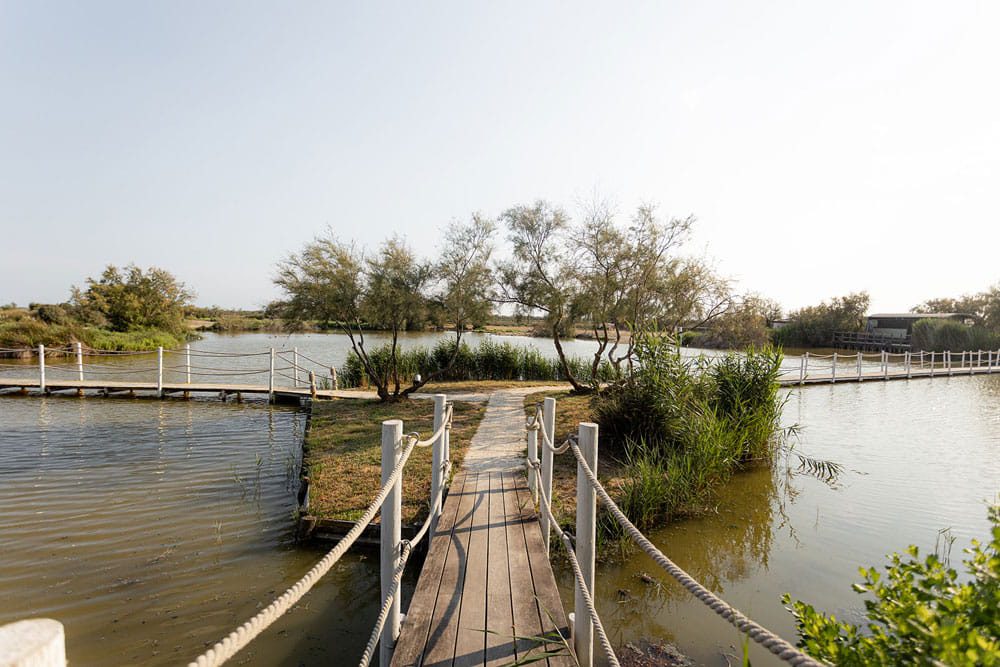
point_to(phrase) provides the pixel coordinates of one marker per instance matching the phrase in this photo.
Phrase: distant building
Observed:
(900, 325)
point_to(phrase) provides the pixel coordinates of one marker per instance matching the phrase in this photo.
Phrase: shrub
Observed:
(918, 614)
(683, 426)
(815, 325)
(939, 335)
(488, 361)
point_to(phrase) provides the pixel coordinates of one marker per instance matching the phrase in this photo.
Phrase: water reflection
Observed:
(160, 526)
(918, 456)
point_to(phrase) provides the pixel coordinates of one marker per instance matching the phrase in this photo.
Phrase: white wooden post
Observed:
(270, 379)
(36, 642)
(948, 353)
(333, 378)
(802, 369)
(392, 437)
(41, 367)
(586, 536)
(885, 364)
(549, 421)
(447, 436)
(437, 458)
(989, 361)
(805, 367)
(909, 364)
(533, 456)
(979, 360)
(159, 372)
(295, 365)
(312, 384)
(859, 367)
(187, 363)
(833, 368)
(932, 363)
(79, 361)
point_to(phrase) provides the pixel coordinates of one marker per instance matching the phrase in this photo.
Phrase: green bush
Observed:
(814, 326)
(682, 427)
(490, 360)
(919, 613)
(940, 335)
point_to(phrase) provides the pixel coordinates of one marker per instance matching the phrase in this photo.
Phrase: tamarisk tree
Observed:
(614, 279)
(340, 286)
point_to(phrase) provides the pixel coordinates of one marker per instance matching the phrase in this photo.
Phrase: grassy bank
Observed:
(344, 453)
(28, 332)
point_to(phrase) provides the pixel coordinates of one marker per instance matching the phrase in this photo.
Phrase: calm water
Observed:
(150, 528)
(919, 457)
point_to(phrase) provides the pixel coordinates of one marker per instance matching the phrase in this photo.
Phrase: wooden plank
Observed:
(527, 622)
(416, 628)
(440, 648)
(551, 613)
(470, 644)
(500, 611)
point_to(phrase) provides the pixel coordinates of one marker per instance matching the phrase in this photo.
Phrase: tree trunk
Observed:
(577, 386)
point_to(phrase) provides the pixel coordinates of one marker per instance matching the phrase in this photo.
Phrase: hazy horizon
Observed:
(823, 149)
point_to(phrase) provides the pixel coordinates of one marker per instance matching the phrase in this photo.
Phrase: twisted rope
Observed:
(577, 573)
(406, 547)
(752, 629)
(243, 635)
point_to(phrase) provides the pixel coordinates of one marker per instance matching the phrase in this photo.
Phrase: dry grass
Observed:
(571, 409)
(344, 454)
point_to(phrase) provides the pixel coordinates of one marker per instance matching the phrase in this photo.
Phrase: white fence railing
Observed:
(168, 370)
(861, 366)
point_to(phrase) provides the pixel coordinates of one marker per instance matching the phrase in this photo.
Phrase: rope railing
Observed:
(184, 366)
(887, 365)
(590, 490)
(395, 552)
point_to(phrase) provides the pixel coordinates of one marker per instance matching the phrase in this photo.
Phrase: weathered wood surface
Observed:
(486, 586)
(117, 386)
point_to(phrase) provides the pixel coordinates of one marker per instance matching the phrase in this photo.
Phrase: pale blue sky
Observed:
(824, 147)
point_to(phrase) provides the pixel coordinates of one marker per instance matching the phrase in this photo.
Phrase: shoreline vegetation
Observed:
(671, 435)
(342, 453)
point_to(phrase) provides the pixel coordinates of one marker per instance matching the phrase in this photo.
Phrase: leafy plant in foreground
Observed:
(919, 613)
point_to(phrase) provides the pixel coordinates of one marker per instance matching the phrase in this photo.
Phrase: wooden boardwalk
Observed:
(486, 587)
(848, 374)
(103, 387)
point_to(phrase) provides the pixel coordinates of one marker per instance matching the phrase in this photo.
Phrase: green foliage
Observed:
(50, 313)
(742, 326)
(937, 335)
(984, 307)
(919, 613)
(488, 361)
(684, 426)
(30, 333)
(814, 326)
(131, 299)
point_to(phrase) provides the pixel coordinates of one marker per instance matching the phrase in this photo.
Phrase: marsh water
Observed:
(921, 463)
(152, 528)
